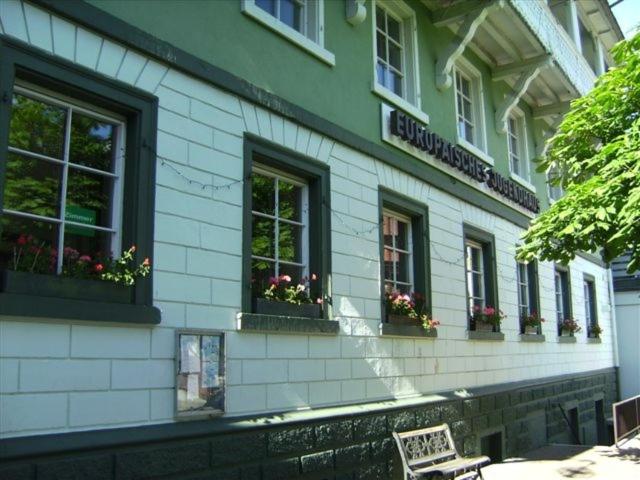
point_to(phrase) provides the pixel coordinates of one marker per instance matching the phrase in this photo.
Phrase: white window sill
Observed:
(400, 102)
(525, 183)
(470, 147)
(305, 43)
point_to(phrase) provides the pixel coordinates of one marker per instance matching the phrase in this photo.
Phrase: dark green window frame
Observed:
(534, 292)
(565, 279)
(593, 304)
(487, 241)
(317, 175)
(27, 296)
(421, 261)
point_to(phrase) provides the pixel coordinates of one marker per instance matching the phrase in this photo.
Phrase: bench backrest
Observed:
(427, 445)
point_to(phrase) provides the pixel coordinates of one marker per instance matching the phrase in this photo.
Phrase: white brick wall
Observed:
(58, 376)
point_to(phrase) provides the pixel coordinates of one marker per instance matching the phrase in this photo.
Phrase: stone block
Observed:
(509, 415)
(451, 411)
(461, 428)
(384, 448)
(317, 461)
(16, 472)
(469, 445)
(378, 471)
(332, 434)
(352, 455)
(369, 427)
(240, 449)
(286, 441)
(401, 421)
(93, 467)
(480, 423)
(177, 459)
(251, 473)
(487, 404)
(495, 418)
(281, 470)
(426, 417)
(471, 407)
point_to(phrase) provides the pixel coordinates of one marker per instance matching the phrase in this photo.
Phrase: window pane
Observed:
(290, 201)
(263, 194)
(466, 109)
(477, 285)
(289, 243)
(261, 271)
(37, 127)
(395, 83)
(393, 29)
(291, 13)
(79, 242)
(32, 186)
(380, 19)
(267, 5)
(403, 268)
(476, 259)
(92, 143)
(402, 239)
(395, 56)
(296, 273)
(89, 198)
(381, 46)
(468, 132)
(26, 244)
(465, 87)
(262, 237)
(390, 229)
(381, 74)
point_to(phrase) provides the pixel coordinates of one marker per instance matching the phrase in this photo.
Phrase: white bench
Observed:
(431, 452)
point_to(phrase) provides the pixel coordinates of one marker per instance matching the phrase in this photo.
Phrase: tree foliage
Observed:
(596, 152)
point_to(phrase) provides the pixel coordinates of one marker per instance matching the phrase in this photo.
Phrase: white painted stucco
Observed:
(62, 376)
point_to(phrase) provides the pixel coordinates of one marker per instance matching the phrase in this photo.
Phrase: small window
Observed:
(404, 250)
(480, 273)
(286, 234)
(469, 106)
(395, 47)
(555, 191)
(63, 181)
(299, 21)
(516, 135)
(528, 303)
(398, 262)
(590, 311)
(280, 227)
(563, 295)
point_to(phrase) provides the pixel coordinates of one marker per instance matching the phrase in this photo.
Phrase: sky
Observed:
(628, 15)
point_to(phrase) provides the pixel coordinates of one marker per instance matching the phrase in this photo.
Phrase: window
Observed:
(395, 48)
(63, 181)
(516, 135)
(404, 247)
(300, 21)
(480, 271)
(398, 271)
(555, 191)
(77, 177)
(526, 275)
(563, 295)
(286, 223)
(469, 108)
(590, 311)
(280, 227)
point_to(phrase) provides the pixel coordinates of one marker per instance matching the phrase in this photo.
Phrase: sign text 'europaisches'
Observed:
(417, 135)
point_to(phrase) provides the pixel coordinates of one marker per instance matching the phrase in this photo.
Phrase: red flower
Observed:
(98, 267)
(314, 276)
(22, 240)
(146, 262)
(132, 249)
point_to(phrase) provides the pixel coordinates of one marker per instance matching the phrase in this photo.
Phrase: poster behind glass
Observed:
(200, 378)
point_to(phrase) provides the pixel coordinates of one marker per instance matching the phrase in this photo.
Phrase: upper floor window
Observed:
(476, 289)
(590, 312)
(63, 182)
(300, 21)
(555, 191)
(516, 135)
(398, 262)
(480, 271)
(395, 55)
(469, 108)
(563, 295)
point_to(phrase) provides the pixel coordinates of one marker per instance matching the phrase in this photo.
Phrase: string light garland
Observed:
(203, 186)
(356, 232)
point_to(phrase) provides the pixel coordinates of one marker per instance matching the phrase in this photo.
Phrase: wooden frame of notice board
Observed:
(200, 373)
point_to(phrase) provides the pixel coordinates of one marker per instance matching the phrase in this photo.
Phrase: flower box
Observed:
(566, 333)
(406, 320)
(285, 309)
(26, 283)
(530, 330)
(484, 326)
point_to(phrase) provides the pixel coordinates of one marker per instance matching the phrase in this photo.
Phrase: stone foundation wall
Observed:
(347, 446)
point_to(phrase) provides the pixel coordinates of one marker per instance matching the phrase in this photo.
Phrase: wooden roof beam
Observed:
(517, 68)
(472, 20)
(559, 108)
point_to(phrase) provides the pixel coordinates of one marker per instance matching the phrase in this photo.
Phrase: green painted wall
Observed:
(217, 32)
